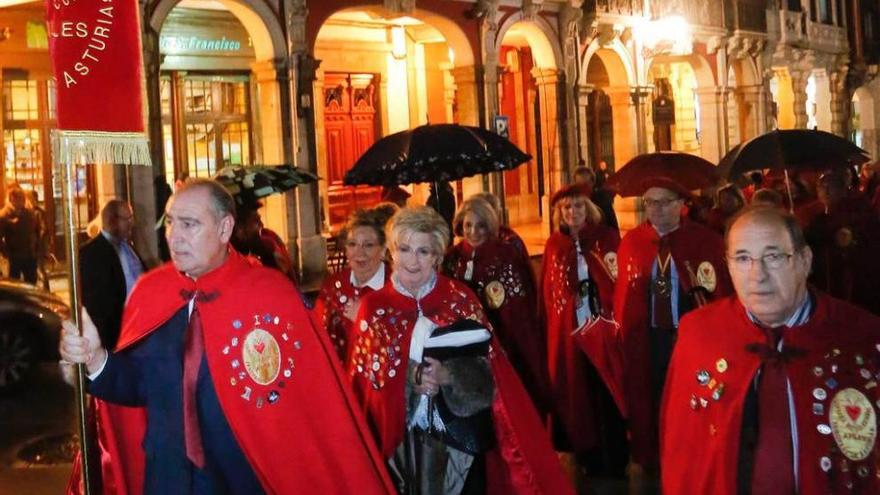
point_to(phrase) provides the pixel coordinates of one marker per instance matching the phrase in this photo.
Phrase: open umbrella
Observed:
(248, 184)
(683, 170)
(791, 149)
(434, 153)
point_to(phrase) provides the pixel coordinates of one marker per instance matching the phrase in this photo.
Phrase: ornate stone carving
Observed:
(400, 6)
(531, 8)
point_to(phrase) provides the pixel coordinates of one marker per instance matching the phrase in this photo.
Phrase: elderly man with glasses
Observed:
(773, 391)
(668, 266)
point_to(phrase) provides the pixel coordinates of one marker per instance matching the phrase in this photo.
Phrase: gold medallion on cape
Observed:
(853, 423)
(610, 260)
(261, 356)
(494, 294)
(706, 276)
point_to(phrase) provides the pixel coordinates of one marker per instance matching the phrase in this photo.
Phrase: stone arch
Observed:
(864, 103)
(616, 60)
(257, 17)
(538, 33)
(455, 37)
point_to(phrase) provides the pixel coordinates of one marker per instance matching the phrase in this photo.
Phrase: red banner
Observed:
(95, 47)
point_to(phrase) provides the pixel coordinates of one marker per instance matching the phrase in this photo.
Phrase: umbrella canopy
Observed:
(791, 149)
(248, 184)
(434, 153)
(681, 172)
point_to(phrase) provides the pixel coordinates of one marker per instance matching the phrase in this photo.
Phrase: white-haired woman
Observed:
(500, 277)
(445, 425)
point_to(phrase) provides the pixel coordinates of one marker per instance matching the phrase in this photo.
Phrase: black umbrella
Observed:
(248, 184)
(791, 149)
(434, 153)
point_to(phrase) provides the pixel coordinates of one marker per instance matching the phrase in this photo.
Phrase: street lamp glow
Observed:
(669, 35)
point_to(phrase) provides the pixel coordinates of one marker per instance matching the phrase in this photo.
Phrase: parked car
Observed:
(30, 323)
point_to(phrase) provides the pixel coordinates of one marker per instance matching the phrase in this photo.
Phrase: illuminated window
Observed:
(212, 124)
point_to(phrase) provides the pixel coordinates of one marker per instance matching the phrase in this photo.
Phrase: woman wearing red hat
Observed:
(578, 274)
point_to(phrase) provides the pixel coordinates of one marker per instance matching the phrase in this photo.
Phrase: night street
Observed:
(33, 426)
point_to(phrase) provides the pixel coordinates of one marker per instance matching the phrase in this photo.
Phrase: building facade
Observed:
(232, 82)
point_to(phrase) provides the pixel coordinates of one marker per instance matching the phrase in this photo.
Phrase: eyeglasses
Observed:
(659, 203)
(366, 246)
(770, 261)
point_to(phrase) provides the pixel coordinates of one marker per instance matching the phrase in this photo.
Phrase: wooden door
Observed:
(600, 126)
(349, 130)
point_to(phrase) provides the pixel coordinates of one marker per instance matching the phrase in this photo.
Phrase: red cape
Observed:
(700, 445)
(845, 242)
(333, 453)
(336, 291)
(512, 310)
(523, 462)
(692, 246)
(573, 397)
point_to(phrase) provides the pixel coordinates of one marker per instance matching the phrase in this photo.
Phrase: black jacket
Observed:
(103, 287)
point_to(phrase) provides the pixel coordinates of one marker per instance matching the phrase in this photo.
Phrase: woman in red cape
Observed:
(578, 273)
(336, 306)
(504, 284)
(392, 380)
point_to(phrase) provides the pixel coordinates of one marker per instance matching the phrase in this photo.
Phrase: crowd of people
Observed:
(744, 349)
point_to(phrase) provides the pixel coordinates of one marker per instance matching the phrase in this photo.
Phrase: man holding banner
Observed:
(242, 394)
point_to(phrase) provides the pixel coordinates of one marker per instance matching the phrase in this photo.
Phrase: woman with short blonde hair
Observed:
(415, 393)
(503, 280)
(419, 220)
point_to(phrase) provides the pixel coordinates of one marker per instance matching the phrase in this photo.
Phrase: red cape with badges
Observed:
(505, 285)
(337, 291)
(303, 436)
(845, 242)
(698, 254)
(523, 462)
(833, 382)
(573, 398)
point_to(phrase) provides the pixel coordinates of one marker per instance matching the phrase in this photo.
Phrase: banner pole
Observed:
(68, 195)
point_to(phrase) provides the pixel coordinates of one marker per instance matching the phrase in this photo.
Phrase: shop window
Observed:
(208, 126)
(29, 110)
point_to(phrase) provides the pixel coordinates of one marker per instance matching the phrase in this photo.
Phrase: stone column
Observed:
(713, 125)
(641, 99)
(269, 111)
(583, 103)
(840, 102)
(467, 100)
(623, 114)
(799, 92)
(750, 100)
(140, 179)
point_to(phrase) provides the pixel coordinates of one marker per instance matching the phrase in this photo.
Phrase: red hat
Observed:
(665, 183)
(569, 191)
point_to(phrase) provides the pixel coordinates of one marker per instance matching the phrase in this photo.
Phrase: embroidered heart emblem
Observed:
(853, 412)
(259, 347)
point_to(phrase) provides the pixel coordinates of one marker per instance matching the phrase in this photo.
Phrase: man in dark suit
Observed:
(109, 267)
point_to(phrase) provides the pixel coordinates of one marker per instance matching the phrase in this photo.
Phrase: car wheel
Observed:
(17, 355)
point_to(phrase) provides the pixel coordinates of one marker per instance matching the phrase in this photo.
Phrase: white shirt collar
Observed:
(376, 282)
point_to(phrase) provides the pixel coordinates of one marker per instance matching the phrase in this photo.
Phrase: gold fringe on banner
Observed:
(126, 148)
